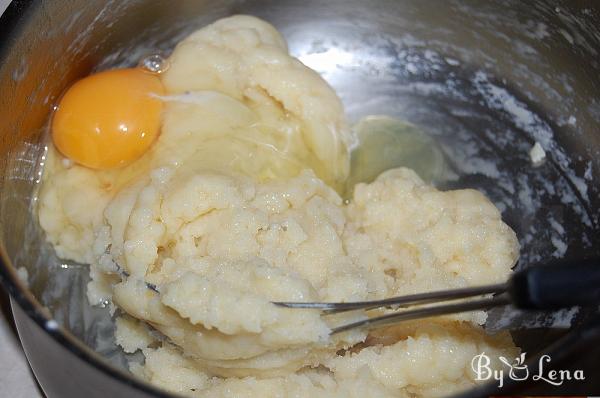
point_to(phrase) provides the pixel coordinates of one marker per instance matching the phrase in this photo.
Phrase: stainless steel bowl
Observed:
(486, 79)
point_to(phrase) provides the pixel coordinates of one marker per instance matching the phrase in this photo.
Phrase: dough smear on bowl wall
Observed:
(237, 204)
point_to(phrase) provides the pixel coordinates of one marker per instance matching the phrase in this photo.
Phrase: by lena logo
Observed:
(517, 370)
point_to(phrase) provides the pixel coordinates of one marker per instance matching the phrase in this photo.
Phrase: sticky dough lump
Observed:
(235, 207)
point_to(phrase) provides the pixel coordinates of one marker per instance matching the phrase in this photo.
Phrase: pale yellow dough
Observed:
(235, 207)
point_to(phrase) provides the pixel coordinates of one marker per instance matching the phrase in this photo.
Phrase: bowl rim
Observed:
(11, 21)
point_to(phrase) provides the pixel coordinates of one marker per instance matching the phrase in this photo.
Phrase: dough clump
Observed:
(235, 207)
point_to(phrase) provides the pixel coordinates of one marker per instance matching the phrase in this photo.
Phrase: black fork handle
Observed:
(565, 283)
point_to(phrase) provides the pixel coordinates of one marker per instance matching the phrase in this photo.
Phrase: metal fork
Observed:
(540, 287)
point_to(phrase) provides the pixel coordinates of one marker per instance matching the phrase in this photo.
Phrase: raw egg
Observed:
(109, 119)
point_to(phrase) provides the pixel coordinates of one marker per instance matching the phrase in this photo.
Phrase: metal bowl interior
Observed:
(486, 79)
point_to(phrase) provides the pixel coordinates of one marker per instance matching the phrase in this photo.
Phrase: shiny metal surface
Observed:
(400, 301)
(486, 79)
(427, 312)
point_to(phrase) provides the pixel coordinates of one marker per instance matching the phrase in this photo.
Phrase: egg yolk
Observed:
(109, 119)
